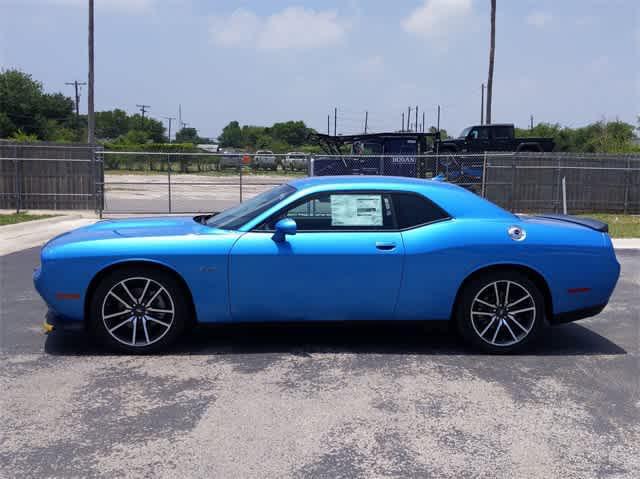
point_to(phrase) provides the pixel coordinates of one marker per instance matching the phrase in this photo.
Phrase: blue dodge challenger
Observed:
(331, 249)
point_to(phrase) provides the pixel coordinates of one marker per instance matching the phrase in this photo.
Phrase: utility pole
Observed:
(328, 125)
(143, 109)
(482, 106)
(531, 127)
(170, 119)
(335, 121)
(402, 122)
(409, 119)
(416, 125)
(76, 84)
(91, 115)
(438, 127)
(492, 50)
(424, 119)
(366, 121)
(179, 115)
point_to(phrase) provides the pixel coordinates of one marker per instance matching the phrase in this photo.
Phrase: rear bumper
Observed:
(55, 322)
(577, 314)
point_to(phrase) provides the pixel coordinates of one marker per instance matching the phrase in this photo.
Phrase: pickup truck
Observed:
(494, 137)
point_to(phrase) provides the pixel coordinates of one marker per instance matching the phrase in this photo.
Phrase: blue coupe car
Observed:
(332, 249)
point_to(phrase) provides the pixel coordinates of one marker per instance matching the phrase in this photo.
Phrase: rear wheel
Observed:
(501, 312)
(139, 310)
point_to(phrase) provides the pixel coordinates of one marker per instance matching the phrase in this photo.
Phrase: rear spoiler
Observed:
(588, 222)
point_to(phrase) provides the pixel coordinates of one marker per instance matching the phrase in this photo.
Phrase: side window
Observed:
(340, 211)
(483, 133)
(413, 210)
(502, 132)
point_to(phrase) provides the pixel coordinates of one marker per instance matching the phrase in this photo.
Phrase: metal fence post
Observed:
(101, 185)
(17, 183)
(556, 189)
(483, 188)
(627, 182)
(513, 184)
(169, 179)
(240, 166)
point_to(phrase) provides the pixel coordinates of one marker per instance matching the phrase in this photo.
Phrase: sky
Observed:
(262, 61)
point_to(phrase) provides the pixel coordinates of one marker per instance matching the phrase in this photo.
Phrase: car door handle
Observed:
(385, 246)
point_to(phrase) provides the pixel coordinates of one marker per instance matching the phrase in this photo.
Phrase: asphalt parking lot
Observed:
(336, 401)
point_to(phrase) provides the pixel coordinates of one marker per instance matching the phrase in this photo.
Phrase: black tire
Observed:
(499, 338)
(148, 336)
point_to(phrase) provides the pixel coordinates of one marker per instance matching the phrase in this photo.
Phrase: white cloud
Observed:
(438, 17)
(539, 19)
(292, 28)
(238, 29)
(115, 6)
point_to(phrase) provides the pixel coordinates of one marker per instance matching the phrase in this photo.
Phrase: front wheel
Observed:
(501, 312)
(138, 310)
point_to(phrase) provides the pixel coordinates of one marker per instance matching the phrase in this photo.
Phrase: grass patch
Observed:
(620, 226)
(20, 218)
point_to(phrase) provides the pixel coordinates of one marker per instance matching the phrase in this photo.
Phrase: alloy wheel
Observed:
(138, 311)
(503, 313)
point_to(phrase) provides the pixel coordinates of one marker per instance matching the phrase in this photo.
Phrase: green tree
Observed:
(294, 133)
(24, 106)
(152, 127)
(599, 137)
(231, 135)
(111, 124)
(188, 135)
(251, 135)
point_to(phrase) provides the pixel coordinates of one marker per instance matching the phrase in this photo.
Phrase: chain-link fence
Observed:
(577, 183)
(60, 177)
(121, 182)
(136, 182)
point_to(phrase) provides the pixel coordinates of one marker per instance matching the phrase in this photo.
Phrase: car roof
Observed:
(361, 181)
(457, 201)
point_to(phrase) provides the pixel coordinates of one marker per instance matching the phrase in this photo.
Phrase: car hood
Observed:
(136, 228)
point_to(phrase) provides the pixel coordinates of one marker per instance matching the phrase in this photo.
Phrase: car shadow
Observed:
(430, 338)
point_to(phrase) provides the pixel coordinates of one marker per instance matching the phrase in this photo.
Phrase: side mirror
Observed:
(284, 227)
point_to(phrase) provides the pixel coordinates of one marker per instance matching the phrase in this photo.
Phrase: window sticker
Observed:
(356, 210)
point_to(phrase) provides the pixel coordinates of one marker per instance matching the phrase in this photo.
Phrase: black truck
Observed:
(494, 137)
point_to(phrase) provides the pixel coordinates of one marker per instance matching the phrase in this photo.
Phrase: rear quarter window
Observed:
(415, 210)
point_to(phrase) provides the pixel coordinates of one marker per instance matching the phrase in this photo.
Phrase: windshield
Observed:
(465, 132)
(233, 218)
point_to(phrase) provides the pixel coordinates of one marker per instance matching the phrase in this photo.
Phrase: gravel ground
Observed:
(336, 401)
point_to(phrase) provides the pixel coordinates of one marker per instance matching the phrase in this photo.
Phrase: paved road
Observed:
(319, 401)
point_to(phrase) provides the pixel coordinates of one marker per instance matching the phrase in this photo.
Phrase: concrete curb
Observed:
(626, 243)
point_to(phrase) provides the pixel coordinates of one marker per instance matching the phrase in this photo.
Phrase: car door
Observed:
(344, 263)
(501, 138)
(478, 139)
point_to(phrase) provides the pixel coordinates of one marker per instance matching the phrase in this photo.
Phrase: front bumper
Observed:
(55, 322)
